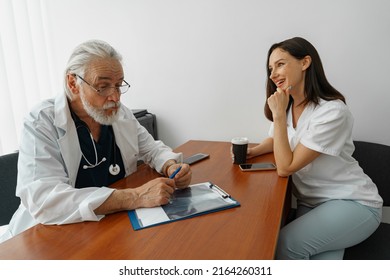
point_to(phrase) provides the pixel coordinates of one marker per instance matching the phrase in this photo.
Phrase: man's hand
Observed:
(154, 193)
(151, 194)
(183, 178)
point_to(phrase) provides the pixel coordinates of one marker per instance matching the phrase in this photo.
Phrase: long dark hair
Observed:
(316, 84)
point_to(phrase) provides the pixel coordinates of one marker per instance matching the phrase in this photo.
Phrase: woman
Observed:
(311, 137)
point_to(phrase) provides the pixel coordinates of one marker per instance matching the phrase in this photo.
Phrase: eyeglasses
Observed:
(108, 91)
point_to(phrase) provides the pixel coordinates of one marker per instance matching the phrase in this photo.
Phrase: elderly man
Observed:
(74, 146)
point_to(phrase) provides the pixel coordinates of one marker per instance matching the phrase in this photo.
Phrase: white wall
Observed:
(199, 65)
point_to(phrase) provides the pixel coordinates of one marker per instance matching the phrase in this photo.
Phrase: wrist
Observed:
(279, 117)
(167, 165)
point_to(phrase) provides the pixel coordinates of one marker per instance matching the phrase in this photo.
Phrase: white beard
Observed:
(98, 114)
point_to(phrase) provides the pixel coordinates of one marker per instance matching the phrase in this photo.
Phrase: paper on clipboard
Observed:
(195, 200)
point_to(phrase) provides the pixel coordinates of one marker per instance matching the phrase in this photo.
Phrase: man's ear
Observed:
(306, 62)
(72, 83)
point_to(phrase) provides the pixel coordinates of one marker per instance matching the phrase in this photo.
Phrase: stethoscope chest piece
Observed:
(114, 169)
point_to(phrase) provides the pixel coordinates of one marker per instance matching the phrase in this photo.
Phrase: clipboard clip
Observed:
(219, 190)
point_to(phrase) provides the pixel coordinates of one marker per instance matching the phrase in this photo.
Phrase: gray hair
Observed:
(83, 54)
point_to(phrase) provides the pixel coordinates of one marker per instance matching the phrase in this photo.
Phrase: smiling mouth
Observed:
(279, 83)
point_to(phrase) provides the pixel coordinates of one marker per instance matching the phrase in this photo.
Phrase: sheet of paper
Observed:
(150, 216)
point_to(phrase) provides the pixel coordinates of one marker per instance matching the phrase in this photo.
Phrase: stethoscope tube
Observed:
(114, 168)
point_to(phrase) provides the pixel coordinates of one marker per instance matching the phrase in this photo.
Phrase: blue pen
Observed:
(174, 173)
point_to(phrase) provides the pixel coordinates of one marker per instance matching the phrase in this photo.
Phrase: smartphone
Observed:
(257, 166)
(195, 158)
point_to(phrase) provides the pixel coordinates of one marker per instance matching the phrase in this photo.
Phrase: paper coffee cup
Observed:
(239, 149)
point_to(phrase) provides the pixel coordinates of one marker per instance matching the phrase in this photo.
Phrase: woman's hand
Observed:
(250, 153)
(278, 102)
(266, 146)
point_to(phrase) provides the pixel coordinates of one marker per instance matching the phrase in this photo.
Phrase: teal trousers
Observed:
(325, 231)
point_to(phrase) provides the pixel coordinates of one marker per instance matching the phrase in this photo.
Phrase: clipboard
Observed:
(197, 199)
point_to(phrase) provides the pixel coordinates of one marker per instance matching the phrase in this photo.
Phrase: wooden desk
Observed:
(246, 232)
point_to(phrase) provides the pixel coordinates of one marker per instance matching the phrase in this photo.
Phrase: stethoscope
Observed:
(114, 168)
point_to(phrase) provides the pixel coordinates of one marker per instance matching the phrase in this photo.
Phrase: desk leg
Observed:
(288, 212)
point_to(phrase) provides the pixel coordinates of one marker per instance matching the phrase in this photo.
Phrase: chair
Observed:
(375, 161)
(8, 200)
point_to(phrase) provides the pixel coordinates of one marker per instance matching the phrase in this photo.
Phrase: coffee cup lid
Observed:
(240, 140)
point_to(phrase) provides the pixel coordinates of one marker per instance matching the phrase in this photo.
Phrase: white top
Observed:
(49, 159)
(335, 174)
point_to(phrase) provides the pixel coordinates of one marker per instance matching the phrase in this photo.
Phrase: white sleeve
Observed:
(155, 153)
(43, 181)
(329, 128)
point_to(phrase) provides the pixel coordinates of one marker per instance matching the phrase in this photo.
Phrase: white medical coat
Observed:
(49, 159)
